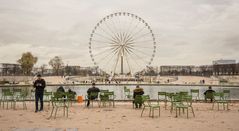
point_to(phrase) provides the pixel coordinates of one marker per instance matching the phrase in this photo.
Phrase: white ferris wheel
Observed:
(122, 43)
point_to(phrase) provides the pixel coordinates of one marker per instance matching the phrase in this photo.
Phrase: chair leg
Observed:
(150, 111)
(176, 112)
(179, 109)
(159, 111)
(64, 110)
(187, 113)
(142, 111)
(56, 112)
(192, 111)
(52, 112)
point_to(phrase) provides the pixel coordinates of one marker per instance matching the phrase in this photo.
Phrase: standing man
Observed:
(93, 89)
(39, 84)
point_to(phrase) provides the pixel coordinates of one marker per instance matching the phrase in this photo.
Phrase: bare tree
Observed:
(56, 64)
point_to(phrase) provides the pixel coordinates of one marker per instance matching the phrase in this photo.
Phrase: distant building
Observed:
(205, 70)
(222, 62)
(7, 69)
(175, 70)
(82, 71)
(225, 67)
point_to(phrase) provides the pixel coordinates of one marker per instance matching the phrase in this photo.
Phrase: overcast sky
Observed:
(188, 32)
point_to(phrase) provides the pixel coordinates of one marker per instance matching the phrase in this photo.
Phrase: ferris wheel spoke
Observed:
(106, 56)
(114, 33)
(99, 41)
(106, 38)
(134, 28)
(143, 47)
(102, 52)
(140, 51)
(126, 57)
(113, 23)
(129, 27)
(140, 30)
(107, 32)
(142, 41)
(138, 65)
(116, 64)
(100, 47)
(120, 25)
(142, 36)
(107, 62)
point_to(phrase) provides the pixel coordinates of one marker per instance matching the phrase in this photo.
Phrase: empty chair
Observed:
(147, 104)
(162, 97)
(219, 99)
(185, 104)
(195, 94)
(7, 96)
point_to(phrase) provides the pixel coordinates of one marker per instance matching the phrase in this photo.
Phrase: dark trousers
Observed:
(39, 96)
(137, 104)
(89, 99)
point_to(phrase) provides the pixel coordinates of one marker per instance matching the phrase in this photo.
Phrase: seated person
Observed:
(209, 94)
(138, 92)
(93, 89)
(72, 94)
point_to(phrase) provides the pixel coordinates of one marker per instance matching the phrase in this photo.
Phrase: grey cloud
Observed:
(187, 32)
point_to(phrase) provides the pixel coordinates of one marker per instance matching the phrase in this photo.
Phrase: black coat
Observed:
(39, 85)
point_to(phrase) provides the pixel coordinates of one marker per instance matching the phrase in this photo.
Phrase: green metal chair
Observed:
(162, 97)
(107, 97)
(59, 101)
(47, 97)
(20, 95)
(219, 99)
(7, 96)
(90, 98)
(175, 100)
(209, 95)
(147, 104)
(195, 94)
(185, 104)
(226, 94)
(71, 97)
(127, 93)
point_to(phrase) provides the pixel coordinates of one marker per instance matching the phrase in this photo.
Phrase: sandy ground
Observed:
(121, 118)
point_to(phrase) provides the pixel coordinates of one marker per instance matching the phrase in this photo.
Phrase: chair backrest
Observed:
(176, 97)
(218, 95)
(146, 100)
(194, 91)
(183, 93)
(104, 90)
(169, 95)
(17, 90)
(93, 95)
(209, 95)
(70, 96)
(187, 99)
(7, 92)
(138, 99)
(161, 95)
(226, 93)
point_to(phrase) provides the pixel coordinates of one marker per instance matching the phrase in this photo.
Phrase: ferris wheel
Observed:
(122, 43)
